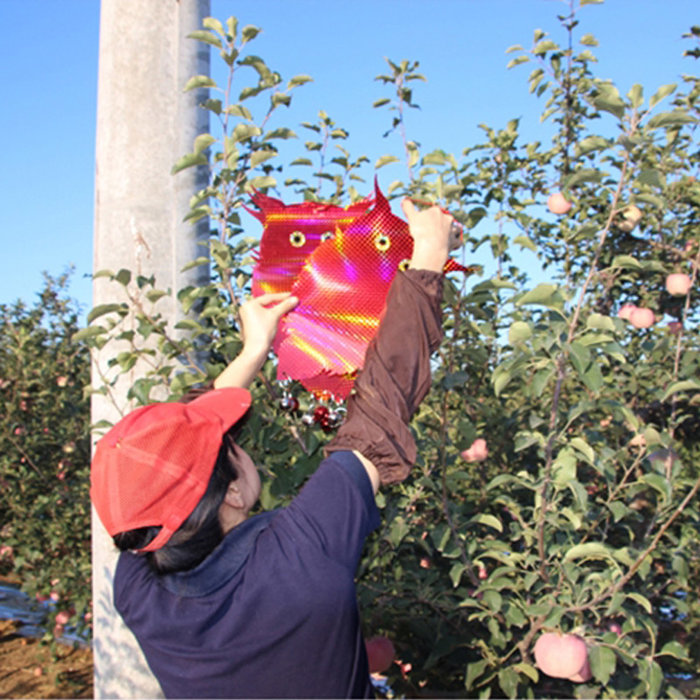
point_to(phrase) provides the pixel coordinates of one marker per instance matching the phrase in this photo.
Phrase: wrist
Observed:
(428, 257)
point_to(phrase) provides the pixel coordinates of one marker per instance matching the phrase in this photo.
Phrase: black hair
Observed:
(200, 534)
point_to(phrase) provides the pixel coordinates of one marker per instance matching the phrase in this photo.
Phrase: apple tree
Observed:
(45, 453)
(556, 489)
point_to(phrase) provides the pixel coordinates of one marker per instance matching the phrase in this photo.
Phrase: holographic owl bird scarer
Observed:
(290, 234)
(342, 287)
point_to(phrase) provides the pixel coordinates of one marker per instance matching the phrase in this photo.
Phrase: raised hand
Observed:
(433, 236)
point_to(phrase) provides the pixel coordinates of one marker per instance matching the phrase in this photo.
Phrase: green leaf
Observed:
(658, 482)
(588, 40)
(299, 80)
(518, 332)
(214, 24)
(654, 677)
(508, 680)
(188, 161)
(592, 143)
(564, 468)
(199, 81)
(239, 111)
(262, 181)
(249, 32)
(682, 386)
(600, 322)
(583, 175)
(493, 599)
(103, 309)
(202, 142)
(618, 510)
(280, 133)
(588, 550)
(154, 294)
(527, 670)
(381, 102)
(676, 650)
(544, 46)
(663, 91)
(525, 242)
(677, 117)
(654, 178)
(202, 260)
(602, 660)
(626, 262)
(384, 160)
(261, 156)
(640, 600)
(87, 333)
(123, 277)
(474, 670)
(243, 132)
(608, 100)
(456, 573)
(636, 95)
(541, 294)
(500, 379)
(517, 61)
(206, 37)
(580, 445)
(488, 520)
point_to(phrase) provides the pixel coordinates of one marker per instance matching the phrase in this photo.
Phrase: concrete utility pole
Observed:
(145, 123)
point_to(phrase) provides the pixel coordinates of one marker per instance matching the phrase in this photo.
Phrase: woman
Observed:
(227, 605)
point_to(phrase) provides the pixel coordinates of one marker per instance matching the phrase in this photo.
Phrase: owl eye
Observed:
(326, 235)
(382, 243)
(403, 265)
(297, 239)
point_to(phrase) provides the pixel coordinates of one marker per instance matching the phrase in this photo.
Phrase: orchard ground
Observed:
(30, 668)
(29, 671)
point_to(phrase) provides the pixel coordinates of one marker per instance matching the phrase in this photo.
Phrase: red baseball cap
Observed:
(153, 467)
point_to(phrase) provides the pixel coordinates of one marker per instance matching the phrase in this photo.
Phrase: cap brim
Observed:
(228, 405)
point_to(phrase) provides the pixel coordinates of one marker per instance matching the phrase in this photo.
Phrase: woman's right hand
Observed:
(431, 230)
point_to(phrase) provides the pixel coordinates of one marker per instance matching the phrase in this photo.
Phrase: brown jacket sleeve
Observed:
(395, 377)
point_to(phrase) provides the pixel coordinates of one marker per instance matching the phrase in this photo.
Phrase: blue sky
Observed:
(48, 70)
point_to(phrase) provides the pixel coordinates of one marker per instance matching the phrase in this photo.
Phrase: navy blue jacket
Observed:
(224, 628)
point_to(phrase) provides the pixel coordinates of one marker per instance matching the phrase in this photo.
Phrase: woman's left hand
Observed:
(260, 318)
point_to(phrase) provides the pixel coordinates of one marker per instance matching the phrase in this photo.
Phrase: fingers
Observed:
(408, 208)
(285, 306)
(272, 297)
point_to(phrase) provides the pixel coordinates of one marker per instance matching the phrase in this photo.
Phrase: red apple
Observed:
(61, 381)
(626, 311)
(477, 452)
(615, 627)
(642, 318)
(62, 617)
(483, 573)
(560, 655)
(558, 204)
(675, 327)
(583, 675)
(380, 653)
(678, 284)
(630, 217)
